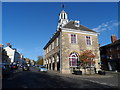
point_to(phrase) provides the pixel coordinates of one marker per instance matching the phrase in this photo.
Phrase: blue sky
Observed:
(29, 25)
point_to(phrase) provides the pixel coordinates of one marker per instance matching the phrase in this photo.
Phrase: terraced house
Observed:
(62, 51)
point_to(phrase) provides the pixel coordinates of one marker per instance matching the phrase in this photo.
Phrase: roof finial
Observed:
(63, 6)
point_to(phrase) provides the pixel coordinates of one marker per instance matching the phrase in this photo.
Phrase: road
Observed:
(35, 79)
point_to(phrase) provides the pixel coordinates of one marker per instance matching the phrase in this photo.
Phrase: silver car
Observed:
(42, 69)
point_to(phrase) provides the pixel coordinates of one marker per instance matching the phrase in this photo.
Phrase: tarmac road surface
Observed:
(35, 79)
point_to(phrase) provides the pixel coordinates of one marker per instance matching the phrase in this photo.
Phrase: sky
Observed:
(28, 26)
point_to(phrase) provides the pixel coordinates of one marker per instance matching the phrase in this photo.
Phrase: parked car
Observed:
(21, 65)
(14, 66)
(25, 68)
(42, 69)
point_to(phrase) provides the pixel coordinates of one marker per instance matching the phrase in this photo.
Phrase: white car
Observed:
(42, 69)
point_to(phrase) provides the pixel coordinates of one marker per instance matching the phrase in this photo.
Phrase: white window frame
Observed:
(77, 58)
(71, 38)
(90, 40)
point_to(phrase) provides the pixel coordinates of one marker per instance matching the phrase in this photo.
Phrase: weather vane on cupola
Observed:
(62, 6)
(63, 18)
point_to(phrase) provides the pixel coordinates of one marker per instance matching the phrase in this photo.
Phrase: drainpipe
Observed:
(60, 50)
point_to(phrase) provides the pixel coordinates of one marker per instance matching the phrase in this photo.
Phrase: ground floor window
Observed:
(73, 59)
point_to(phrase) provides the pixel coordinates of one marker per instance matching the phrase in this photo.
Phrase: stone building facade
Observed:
(71, 38)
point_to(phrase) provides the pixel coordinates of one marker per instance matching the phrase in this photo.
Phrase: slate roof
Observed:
(52, 39)
(113, 44)
(71, 25)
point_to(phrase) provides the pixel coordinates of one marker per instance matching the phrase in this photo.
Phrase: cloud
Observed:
(106, 26)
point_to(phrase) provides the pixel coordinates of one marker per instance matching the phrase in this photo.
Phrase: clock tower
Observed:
(63, 19)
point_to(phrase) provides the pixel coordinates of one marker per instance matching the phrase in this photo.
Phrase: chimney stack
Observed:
(8, 44)
(113, 38)
(77, 23)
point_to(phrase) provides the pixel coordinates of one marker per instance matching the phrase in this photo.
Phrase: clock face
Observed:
(64, 22)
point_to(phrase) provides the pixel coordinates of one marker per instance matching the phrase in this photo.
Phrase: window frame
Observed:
(74, 38)
(71, 59)
(90, 40)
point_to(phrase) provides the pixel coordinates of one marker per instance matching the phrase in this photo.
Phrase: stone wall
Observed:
(51, 56)
(68, 48)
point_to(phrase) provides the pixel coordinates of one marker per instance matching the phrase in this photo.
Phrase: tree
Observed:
(40, 60)
(86, 59)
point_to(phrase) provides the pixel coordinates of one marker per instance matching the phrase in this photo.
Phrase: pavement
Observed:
(111, 78)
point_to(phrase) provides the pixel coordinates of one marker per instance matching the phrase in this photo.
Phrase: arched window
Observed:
(73, 58)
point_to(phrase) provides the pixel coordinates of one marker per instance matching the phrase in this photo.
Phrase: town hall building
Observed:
(62, 51)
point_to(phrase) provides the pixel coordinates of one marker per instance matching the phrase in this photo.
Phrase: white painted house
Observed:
(13, 54)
